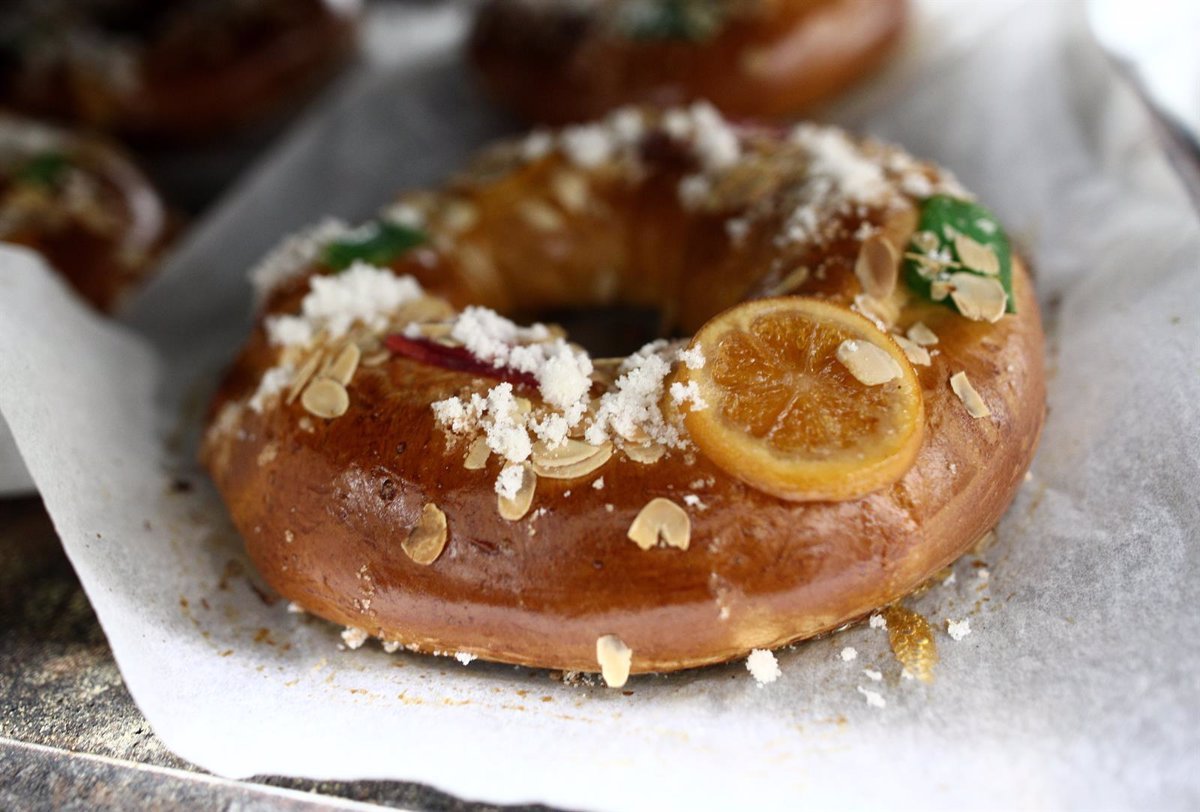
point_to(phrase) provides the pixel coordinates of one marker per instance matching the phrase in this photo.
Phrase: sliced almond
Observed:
(914, 352)
(979, 298)
(515, 508)
(899, 225)
(926, 267)
(877, 266)
(427, 540)
(303, 374)
(433, 329)
(881, 311)
(962, 387)
(926, 241)
(870, 364)
(477, 454)
(940, 289)
(645, 454)
(661, 518)
(345, 364)
(374, 359)
(577, 469)
(268, 454)
(615, 659)
(368, 340)
(458, 216)
(541, 216)
(325, 398)
(323, 370)
(977, 256)
(571, 190)
(922, 335)
(477, 265)
(425, 309)
(567, 453)
(635, 434)
(553, 332)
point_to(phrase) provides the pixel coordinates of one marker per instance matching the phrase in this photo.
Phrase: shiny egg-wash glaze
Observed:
(325, 505)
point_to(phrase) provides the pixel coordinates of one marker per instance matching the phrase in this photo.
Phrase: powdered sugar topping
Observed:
(629, 411)
(360, 294)
(631, 408)
(497, 414)
(692, 358)
(273, 382)
(508, 484)
(714, 142)
(293, 254)
(835, 157)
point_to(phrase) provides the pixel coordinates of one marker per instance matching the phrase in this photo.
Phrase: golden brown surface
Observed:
(555, 65)
(325, 506)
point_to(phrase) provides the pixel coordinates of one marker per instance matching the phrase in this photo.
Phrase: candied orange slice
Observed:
(806, 400)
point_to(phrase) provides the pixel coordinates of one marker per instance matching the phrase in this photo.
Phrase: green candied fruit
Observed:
(377, 243)
(690, 20)
(45, 169)
(937, 247)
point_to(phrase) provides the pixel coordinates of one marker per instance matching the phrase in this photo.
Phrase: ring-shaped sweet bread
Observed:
(853, 395)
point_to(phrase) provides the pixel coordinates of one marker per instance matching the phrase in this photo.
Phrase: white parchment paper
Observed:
(1077, 686)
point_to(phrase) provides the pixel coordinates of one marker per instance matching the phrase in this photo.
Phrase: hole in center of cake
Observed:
(608, 331)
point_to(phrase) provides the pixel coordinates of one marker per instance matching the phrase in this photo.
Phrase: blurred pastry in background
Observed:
(558, 61)
(173, 70)
(83, 205)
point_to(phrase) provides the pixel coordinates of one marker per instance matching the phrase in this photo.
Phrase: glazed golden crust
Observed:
(557, 64)
(324, 519)
(326, 505)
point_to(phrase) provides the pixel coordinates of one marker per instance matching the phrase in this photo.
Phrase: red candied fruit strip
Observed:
(459, 359)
